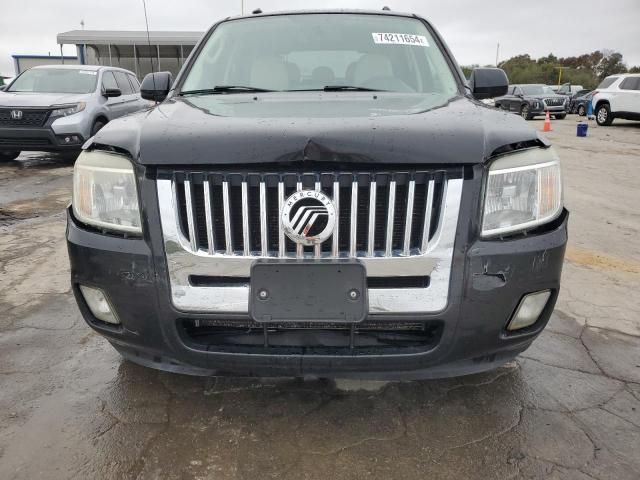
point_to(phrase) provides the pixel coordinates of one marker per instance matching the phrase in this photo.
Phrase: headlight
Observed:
(104, 192)
(524, 190)
(66, 110)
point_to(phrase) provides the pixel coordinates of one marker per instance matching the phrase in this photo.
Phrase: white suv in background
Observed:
(617, 96)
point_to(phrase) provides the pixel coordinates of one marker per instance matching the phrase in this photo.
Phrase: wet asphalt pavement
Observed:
(568, 408)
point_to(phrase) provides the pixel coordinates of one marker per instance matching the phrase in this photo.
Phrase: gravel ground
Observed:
(568, 408)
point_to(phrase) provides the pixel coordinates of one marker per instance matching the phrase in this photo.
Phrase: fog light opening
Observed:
(99, 305)
(529, 310)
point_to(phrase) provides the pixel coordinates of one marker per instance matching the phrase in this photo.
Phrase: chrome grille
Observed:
(380, 214)
(554, 102)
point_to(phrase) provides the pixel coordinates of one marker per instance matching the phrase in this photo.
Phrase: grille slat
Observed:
(377, 214)
(246, 243)
(190, 221)
(372, 219)
(335, 241)
(211, 246)
(427, 216)
(227, 217)
(408, 218)
(264, 247)
(353, 216)
(390, 215)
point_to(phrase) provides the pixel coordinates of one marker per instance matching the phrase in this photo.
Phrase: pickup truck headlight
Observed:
(524, 190)
(66, 110)
(104, 192)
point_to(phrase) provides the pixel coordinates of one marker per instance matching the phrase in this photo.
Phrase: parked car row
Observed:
(617, 96)
(57, 108)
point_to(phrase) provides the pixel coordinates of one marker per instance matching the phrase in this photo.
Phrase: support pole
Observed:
(110, 64)
(135, 59)
(61, 55)
(158, 50)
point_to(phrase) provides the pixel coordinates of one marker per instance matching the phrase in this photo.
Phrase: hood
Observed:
(331, 127)
(29, 99)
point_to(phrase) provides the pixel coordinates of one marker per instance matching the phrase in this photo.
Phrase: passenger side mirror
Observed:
(488, 83)
(112, 92)
(156, 86)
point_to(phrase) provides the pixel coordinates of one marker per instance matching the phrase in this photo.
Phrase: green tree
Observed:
(610, 64)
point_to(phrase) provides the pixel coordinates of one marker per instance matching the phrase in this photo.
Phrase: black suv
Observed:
(533, 100)
(319, 193)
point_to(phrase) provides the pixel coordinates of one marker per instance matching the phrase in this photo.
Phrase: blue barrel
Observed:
(582, 129)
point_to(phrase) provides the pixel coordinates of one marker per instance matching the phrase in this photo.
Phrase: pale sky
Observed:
(472, 28)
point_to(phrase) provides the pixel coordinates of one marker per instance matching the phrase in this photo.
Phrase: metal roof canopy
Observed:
(124, 37)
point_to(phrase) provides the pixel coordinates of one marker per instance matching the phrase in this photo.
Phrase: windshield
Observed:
(55, 80)
(548, 90)
(314, 51)
(536, 89)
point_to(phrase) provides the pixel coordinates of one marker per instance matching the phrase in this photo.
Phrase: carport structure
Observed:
(132, 50)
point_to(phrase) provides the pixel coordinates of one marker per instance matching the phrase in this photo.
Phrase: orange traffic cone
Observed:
(547, 123)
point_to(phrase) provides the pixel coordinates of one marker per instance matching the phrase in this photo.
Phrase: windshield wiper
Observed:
(348, 88)
(337, 88)
(224, 89)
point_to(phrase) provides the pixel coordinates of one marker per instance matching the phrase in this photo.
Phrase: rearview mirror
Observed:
(156, 86)
(488, 83)
(112, 92)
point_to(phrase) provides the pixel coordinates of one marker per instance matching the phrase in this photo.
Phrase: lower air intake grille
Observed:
(366, 338)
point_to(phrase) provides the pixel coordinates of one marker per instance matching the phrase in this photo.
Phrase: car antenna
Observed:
(146, 21)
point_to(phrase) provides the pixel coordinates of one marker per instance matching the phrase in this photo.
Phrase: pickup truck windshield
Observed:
(307, 52)
(55, 80)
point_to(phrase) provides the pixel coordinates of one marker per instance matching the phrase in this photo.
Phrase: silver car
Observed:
(58, 107)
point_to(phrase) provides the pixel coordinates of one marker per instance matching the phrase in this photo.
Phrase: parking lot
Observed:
(569, 408)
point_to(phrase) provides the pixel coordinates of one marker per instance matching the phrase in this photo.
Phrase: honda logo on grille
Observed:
(308, 217)
(16, 114)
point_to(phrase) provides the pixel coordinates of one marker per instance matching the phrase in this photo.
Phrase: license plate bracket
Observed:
(332, 291)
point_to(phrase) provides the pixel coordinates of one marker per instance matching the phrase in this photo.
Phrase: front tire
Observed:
(603, 115)
(8, 156)
(582, 111)
(561, 116)
(525, 112)
(97, 125)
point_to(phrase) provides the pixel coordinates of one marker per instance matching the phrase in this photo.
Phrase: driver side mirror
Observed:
(488, 83)
(112, 92)
(156, 86)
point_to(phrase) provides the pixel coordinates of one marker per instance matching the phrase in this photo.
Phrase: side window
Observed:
(607, 82)
(108, 81)
(134, 83)
(123, 83)
(628, 83)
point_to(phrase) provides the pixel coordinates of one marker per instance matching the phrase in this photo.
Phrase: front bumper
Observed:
(39, 139)
(542, 110)
(488, 279)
